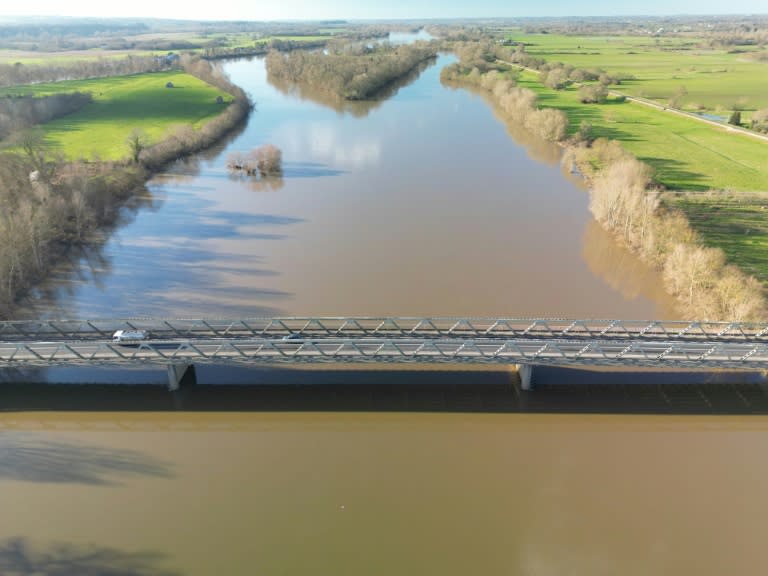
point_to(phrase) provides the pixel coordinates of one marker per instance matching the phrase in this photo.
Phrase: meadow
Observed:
(685, 153)
(123, 104)
(714, 80)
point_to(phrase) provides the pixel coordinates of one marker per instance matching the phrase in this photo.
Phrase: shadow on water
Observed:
(29, 459)
(87, 262)
(17, 556)
(556, 390)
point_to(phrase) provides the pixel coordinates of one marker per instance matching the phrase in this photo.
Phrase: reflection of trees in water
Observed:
(17, 556)
(357, 108)
(26, 458)
(620, 269)
(271, 183)
(536, 147)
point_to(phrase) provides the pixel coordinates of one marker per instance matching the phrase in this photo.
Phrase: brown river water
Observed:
(422, 204)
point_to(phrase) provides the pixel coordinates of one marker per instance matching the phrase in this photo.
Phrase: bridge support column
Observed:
(178, 373)
(525, 371)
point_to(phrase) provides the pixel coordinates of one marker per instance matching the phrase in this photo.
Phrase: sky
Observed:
(372, 9)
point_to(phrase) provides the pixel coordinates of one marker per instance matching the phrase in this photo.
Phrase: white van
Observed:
(130, 336)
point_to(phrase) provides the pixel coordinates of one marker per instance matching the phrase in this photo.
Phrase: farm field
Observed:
(122, 104)
(715, 80)
(686, 154)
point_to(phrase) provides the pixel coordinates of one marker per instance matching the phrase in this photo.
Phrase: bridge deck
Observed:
(379, 327)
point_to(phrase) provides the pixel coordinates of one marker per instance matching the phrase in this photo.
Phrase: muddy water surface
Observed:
(384, 493)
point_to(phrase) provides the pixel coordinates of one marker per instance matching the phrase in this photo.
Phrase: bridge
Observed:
(178, 344)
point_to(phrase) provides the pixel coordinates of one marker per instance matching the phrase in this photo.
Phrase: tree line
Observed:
(20, 112)
(20, 74)
(351, 72)
(625, 200)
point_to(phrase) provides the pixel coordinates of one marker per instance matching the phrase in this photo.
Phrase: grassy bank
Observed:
(123, 104)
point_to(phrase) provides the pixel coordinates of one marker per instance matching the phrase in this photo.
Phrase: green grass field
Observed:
(122, 104)
(715, 80)
(685, 153)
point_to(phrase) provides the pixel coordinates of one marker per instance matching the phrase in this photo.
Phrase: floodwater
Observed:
(419, 205)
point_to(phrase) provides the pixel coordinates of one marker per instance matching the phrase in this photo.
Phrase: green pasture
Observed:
(715, 80)
(685, 153)
(122, 104)
(737, 223)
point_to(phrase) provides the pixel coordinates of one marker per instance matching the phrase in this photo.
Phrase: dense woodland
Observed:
(351, 72)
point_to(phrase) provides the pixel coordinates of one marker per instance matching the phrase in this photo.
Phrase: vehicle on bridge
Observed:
(130, 336)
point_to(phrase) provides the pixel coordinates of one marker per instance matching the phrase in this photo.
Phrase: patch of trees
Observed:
(20, 112)
(20, 74)
(593, 93)
(759, 120)
(357, 108)
(265, 161)
(351, 72)
(625, 200)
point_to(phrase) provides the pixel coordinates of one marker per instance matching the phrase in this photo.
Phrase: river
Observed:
(419, 205)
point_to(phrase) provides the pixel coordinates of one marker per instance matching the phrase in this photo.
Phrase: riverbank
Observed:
(627, 202)
(52, 207)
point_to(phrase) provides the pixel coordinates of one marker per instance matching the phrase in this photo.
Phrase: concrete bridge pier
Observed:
(525, 371)
(179, 375)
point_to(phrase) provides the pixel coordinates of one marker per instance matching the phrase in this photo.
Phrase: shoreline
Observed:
(698, 278)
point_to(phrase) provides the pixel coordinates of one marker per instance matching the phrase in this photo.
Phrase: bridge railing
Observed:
(384, 327)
